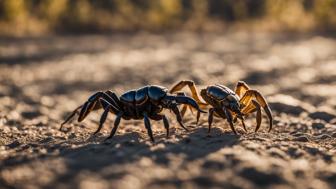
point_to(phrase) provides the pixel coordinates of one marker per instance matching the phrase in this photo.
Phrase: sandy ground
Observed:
(42, 80)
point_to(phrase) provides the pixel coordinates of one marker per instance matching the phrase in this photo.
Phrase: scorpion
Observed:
(227, 104)
(143, 103)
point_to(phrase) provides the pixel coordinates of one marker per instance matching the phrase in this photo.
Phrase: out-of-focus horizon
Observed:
(55, 54)
(36, 17)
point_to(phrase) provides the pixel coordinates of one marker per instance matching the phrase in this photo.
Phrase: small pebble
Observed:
(318, 125)
(301, 139)
(323, 136)
(14, 144)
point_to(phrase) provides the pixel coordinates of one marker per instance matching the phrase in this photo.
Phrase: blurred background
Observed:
(277, 44)
(56, 53)
(35, 17)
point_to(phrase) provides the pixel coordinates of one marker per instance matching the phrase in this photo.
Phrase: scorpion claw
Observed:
(189, 101)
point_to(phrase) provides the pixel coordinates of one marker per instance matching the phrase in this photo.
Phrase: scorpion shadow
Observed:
(127, 148)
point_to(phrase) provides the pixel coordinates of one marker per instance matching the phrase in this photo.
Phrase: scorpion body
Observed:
(143, 103)
(228, 104)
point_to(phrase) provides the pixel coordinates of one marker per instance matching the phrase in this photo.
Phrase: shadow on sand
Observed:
(127, 148)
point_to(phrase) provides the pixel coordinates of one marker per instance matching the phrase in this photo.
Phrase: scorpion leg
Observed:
(178, 116)
(148, 127)
(91, 104)
(243, 123)
(229, 119)
(185, 107)
(76, 111)
(257, 105)
(198, 117)
(158, 117)
(254, 106)
(184, 110)
(84, 111)
(166, 125)
(253, 94)
(116, 125)
(241, 88)
(210, 118)
(102, 119)
(115, 98)
(108, 106)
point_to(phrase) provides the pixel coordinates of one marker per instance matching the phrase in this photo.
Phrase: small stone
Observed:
(312, 150)
(327, 157)
(318, 125)
(276, 152)
(47, 101)
(46, 140)
(296, 134)
(157, 147)
(323, 136)
(14, 144)
(145, 162)
(334, 135)
(301, 139)
(49, 134)
(72, 135)
(43, 151)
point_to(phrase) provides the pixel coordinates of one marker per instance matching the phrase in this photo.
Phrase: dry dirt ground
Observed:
(43, 79)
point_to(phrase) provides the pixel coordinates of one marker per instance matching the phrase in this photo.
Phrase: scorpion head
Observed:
(203, 93)
(232, 102)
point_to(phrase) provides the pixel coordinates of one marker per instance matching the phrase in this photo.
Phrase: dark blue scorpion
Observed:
(143, 103)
